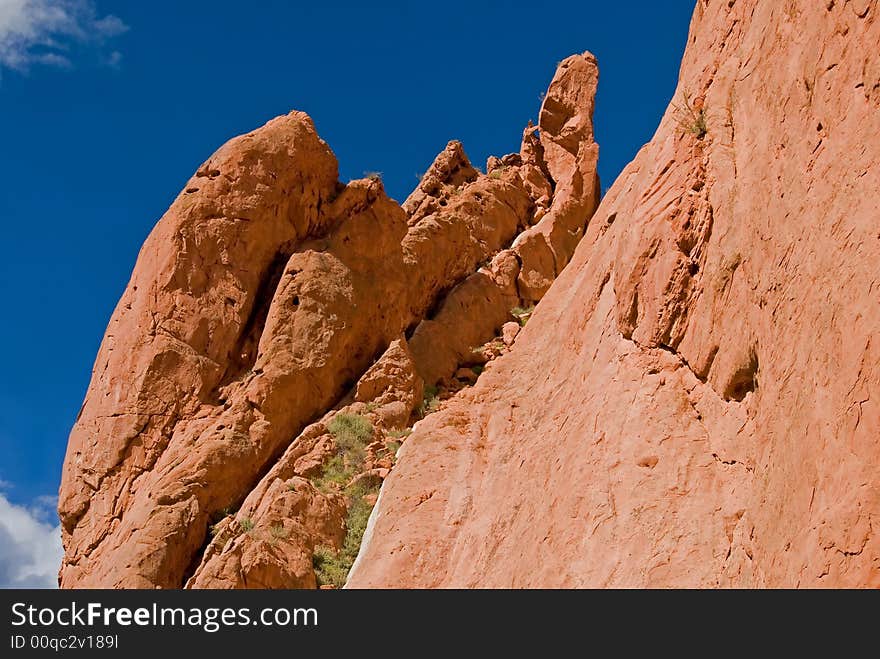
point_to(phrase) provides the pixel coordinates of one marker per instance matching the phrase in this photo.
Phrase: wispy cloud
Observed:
(30, 544)
(46, 32)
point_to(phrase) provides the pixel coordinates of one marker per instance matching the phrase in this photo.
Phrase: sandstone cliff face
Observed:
(696, 401)
(257, 374)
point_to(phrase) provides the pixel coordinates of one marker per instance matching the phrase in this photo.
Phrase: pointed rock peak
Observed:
(451, 167)
(264, 293)
(566, 116)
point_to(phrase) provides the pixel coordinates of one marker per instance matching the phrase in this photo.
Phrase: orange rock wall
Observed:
(696, 401)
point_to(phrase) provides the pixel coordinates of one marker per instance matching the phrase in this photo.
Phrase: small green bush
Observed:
(373, 176)
(522, 314)
(335, 473)
(357, 518)
(352, 433)
(350, 430)
(246, 524)
(278, 532)
(690, 120)
(399, 433)
(430, 402)
(331, 568)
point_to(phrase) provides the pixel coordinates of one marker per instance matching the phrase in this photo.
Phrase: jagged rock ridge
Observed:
(692, 403)
(258, 371)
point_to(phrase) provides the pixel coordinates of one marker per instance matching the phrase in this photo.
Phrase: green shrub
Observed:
(351, 431)
(689, 119)
(246, 524)
(522, 314)
(335, 473)
(332, 567)
(373, 176)
(278, 532)
(357, 518)
(430, 402)
(329, 569)
(400, 433)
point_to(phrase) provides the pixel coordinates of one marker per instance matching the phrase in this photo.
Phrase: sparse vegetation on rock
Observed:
(332, 567)
(431, 401)
(691, 119)
(522, 314)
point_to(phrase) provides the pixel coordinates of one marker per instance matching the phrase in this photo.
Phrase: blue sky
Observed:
(106, 108)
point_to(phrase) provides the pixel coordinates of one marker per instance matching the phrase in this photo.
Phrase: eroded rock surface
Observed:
(696, 400)
(559, 164)
(693, 401)
(268, 296)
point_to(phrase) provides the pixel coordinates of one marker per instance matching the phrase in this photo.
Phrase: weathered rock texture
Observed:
(289, 516)
(696, 401)
(559, 166)
(268, 300)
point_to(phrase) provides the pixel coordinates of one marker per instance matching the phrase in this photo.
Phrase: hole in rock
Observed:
(743, 380)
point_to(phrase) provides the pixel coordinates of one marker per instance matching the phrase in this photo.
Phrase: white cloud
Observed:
(44, 31)
(115, 59)
(30, 545)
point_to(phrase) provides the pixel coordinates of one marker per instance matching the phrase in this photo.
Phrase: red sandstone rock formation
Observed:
(262, 297)
(560, 165)
(696, 401)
